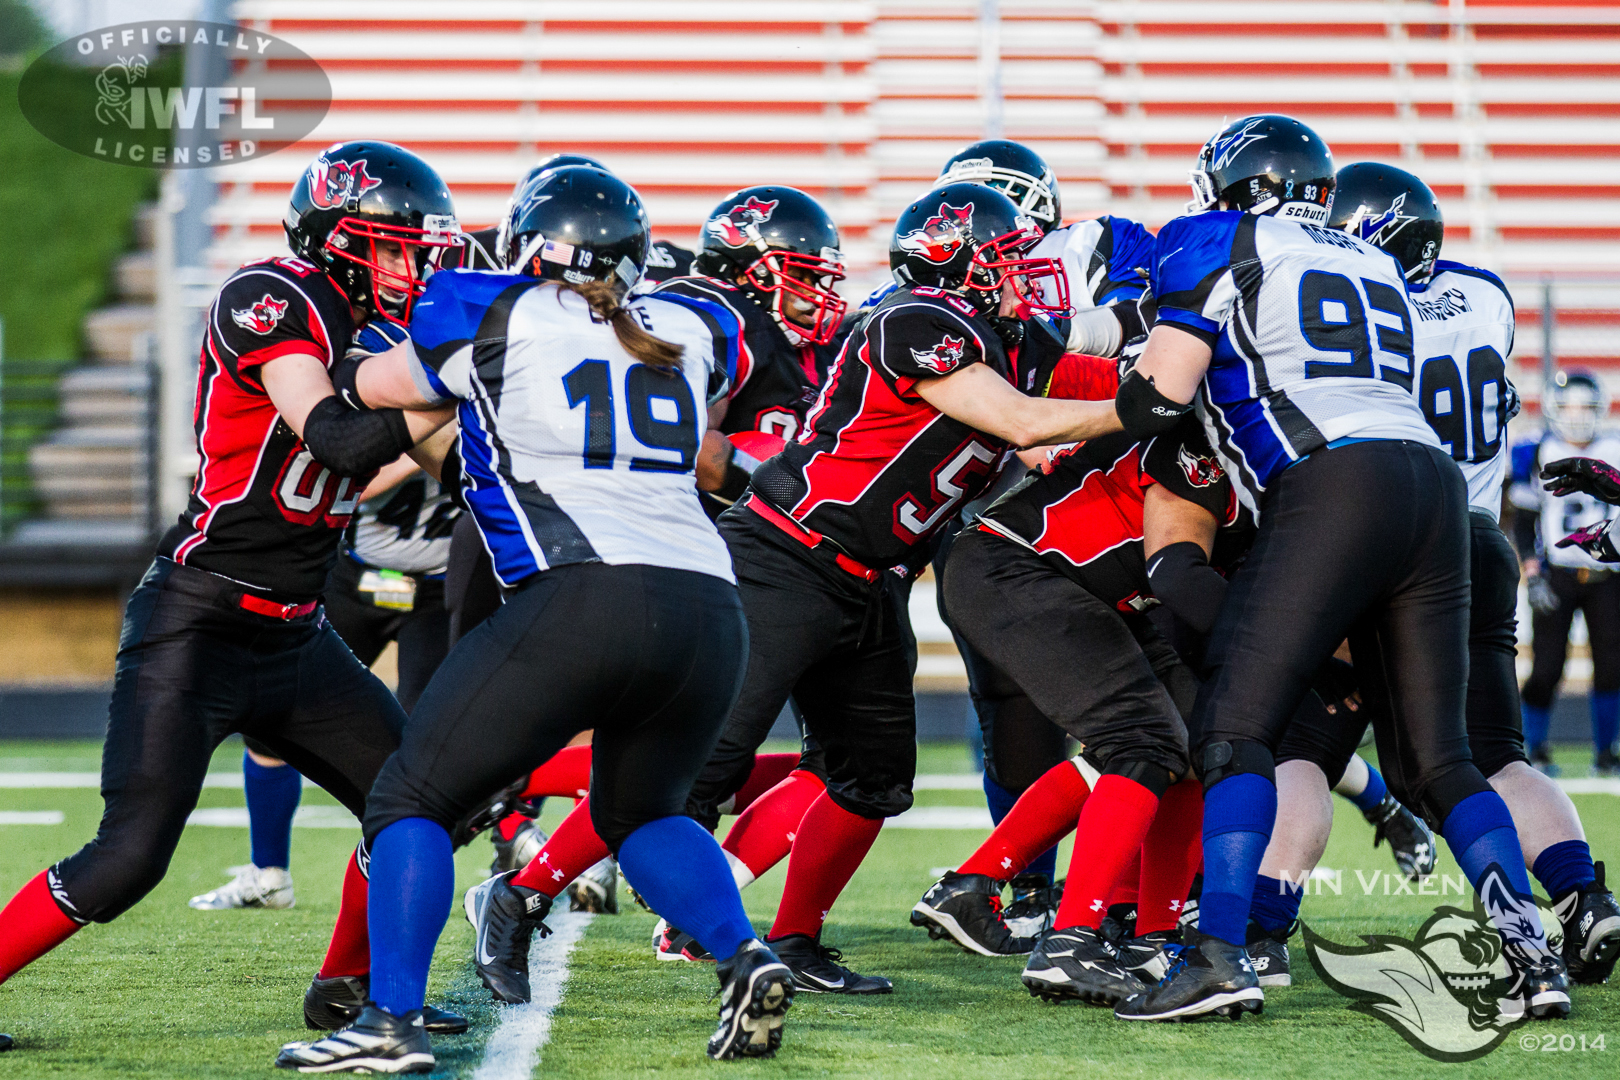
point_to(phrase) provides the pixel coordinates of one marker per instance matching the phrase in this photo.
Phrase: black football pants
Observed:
(649, 657)
(193, 667)
(423, 633)
(472, 593)
(1598, 598)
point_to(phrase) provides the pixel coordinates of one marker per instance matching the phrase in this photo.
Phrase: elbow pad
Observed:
(354, 443)
(1184, 581)
(1143, 411)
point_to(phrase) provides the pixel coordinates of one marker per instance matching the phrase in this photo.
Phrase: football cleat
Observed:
(1209, 977)
(1607, 762)
(597, 889)
(1034, 905)
(1268, 953)
(1148, 957)
(1540, 983)
(330, 1004)
(6, 1043)
(756, 991)
(504, 918)
(1410, 839)
(252, 887)
(816, 969)
(966, 909)
(672, 943)
(1118, 924)
(376, 1042)
(518, 852)
(1591, 921)
(1077, 964)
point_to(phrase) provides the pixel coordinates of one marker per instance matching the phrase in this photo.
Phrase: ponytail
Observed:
(656, 353)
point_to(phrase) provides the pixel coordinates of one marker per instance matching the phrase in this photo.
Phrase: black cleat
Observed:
(756, 991)
(1268, 953)
(1118, 924)
(1410, 839)
(816, 969)
(1539, 982)
(1033, 906)
(966, 909)
(1607, 761)
(330, 1004)
(6, 1043)
(1148, 957)
(504, 918)
(1209, 977)
(1591, 921)
(1076, 964)
(376, 1042)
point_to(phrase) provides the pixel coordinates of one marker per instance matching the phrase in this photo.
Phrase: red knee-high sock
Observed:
(1044, 814)
(1171, 855)
(1112, 826)
(573, 849)
(830, 845)
(31, 925)
(763, 834)
(1125, 890)
(567, 773)
(350, 950)
(768, 771)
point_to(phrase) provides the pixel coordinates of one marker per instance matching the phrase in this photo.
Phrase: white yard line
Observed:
(513, 1051)
(31, 817)
(93, 780)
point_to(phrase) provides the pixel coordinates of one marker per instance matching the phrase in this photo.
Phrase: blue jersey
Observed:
(572, 450)
(1311, 335)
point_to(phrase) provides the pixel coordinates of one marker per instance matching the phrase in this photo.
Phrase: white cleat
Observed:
(252, 887)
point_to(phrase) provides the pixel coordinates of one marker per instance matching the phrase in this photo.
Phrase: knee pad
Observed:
(1219, 760)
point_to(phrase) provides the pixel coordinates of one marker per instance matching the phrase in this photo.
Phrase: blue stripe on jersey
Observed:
(451, 309)
(490, 501)
(878, 295)
(378, 336)
(1191, 320)
(1131, 250)
(1442, 266)
(731, 327)
(1189, 257)
(1252, 431)
(437, 383)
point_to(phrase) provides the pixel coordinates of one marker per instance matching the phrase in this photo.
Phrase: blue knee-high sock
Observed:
(1564, 867)
(1239, 813)
(412, 879)
(1537, 722)
(272, 793)
(1372, 794)
(1479, 830)
(680, 871)
(1276, 903)
(1605, 719)
(1000, 801)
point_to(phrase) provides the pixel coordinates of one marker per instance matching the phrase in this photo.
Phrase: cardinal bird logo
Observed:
(334, 183)
(739, 226)
(1201, 469)
(262, 316)
(942, 358)
(942, 235)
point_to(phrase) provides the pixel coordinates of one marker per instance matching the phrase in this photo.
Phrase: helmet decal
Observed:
(739, 226)
(1380, 230)
(944, 357)
(334, 183)
(942, 235)
(261, 316)
(1222, 151)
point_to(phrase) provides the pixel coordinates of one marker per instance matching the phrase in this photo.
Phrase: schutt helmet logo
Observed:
(262, 316)
(739, 226)
(942, 235)
(943, 357)
(334, 183)
(1201, 469)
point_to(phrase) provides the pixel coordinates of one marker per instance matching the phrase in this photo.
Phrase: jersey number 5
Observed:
(663, 415)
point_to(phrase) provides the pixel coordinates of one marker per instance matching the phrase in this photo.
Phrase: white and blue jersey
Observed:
(1462, 327)
(1105, 260)
(1311, 338)
(572, 451)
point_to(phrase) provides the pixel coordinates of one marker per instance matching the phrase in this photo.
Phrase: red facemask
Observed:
(1003, 258)
(356, 239)
(769, 274)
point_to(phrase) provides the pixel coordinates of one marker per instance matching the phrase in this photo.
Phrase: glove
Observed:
(1594, 540)
(1135, 316)
(1543, 601)
(1335, 684)
(1589, 476)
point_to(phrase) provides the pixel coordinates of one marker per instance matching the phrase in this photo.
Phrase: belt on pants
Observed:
(809, 538)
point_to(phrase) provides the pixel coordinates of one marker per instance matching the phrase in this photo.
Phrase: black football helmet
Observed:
(1392, 210)
(1014, 170)
(577, 224)
(357, 194)
(969, 239)
(781, 248)
(1265, 165)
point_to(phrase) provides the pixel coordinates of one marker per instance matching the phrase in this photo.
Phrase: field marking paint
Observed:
(31, 817)
(93, 780)
(950, 781)
(307, 817)
(942, 817)
(513, 1051)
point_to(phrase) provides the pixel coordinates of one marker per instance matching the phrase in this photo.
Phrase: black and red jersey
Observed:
(263, 511)
(773, 385)
(1082, 510)
(877, 469)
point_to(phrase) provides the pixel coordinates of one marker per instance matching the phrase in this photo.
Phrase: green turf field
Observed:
(170, 992)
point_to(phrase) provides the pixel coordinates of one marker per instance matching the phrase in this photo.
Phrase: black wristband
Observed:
(344, 373)
(1142, 410)
(355, 443)
(735, 483)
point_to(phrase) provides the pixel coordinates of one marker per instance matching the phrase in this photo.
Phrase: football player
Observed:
(1296, 342)
(1564, 580)
(225, 633)
(621, 603)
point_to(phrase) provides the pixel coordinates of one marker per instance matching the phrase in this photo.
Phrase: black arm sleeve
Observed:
(1525, 525)
(355, 443)
(1183, 579)
(343, 375)
(1143, 411)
